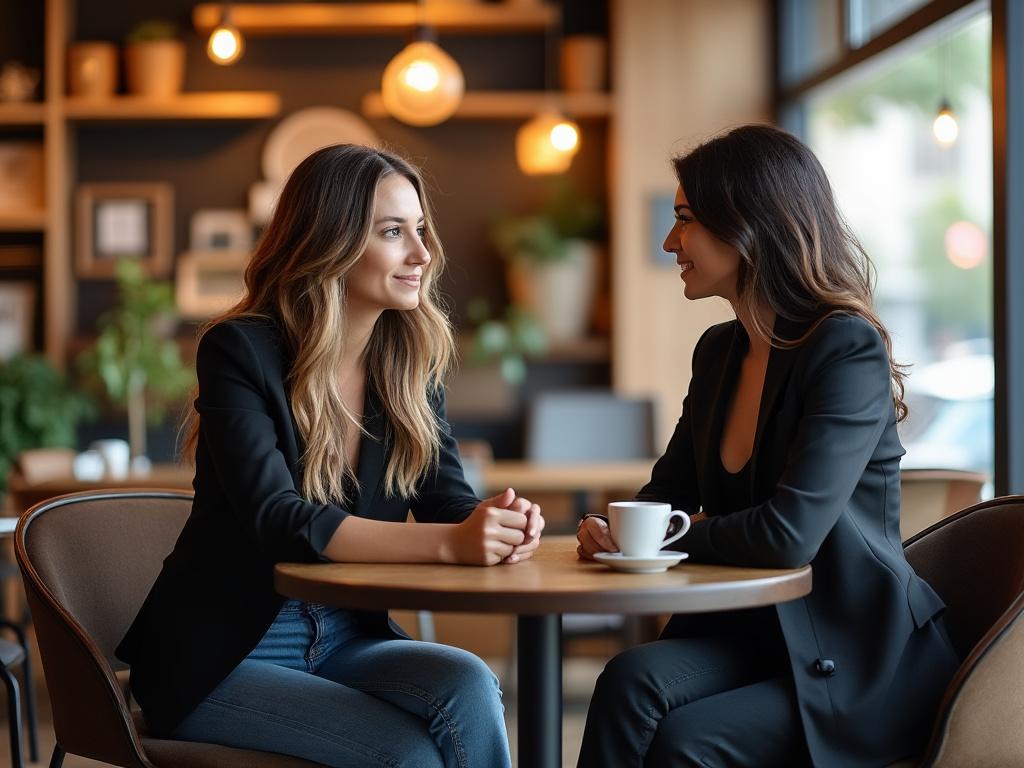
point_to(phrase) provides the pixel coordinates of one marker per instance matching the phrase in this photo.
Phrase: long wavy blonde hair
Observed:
(318, 233)
(763, 192)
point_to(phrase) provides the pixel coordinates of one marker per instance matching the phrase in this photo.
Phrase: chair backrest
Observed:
(928, 495)
(88, 561)
(975, 561)
(589, 425)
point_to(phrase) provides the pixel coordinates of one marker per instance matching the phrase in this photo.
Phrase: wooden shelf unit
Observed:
(23, 221)
(329, 19)
(226, 105)
(514, 105)
(24, 113)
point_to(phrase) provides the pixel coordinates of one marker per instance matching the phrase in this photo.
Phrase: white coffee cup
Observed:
(116, 454)
(638, 527)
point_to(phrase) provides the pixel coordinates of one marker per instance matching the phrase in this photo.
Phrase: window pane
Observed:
(809, 37)
(924, 214)
(869, 18)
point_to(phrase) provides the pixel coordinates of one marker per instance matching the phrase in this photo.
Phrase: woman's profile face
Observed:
(388, 273)
(708, 266)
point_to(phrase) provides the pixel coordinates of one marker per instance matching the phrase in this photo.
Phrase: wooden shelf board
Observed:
(22, 221)
(29, 113)
(322, 19)
(513, 105)
(224, 105)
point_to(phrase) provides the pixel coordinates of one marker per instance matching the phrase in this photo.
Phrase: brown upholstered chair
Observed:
(975, 561)
(88, 561)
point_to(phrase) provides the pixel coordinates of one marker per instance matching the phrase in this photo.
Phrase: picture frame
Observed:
(17, 317)
(661, 217)
(123, 220)
(221, 229)
(208, 283)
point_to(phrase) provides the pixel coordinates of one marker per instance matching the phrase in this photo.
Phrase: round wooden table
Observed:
(539, 591)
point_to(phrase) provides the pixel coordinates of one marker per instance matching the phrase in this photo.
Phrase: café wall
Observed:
(684, 69)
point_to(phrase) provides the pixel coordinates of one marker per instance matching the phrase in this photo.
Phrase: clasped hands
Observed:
(502, 529)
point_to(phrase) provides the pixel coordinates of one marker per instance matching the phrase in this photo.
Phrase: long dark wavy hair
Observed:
(763, 192)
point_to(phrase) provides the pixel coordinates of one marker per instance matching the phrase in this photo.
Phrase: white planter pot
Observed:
(560, 294)
(155, 69)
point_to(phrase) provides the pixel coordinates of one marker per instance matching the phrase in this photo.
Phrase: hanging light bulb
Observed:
(225, 45)
(547, 144)
(422, 85)
(945, 126)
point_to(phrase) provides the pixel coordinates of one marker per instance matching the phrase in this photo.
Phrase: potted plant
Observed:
(552, 261)
(154, 59)
(136, 357)
(37, 409)
(509, 340)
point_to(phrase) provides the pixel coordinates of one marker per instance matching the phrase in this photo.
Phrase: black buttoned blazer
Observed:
(868, 658)
(214, 598)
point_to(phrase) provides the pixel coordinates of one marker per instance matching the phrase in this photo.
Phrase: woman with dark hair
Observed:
(787, 442)
(319, 423)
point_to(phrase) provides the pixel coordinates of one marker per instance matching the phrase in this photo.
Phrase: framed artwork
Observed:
(123, 221)
(209, 282)
(221, 229)
(661, 216)
(17, 316)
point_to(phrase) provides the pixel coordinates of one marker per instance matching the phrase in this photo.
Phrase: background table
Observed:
(539, 590)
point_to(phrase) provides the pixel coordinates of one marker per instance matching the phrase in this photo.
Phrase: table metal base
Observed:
(540, 691)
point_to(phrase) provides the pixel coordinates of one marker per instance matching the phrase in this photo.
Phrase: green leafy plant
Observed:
(544, 236)
(135, 357)
(152, 29)
(38, 409)
(508, 340)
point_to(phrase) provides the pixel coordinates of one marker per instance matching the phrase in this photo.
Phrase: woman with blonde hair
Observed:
(787, 442)
(319, 423)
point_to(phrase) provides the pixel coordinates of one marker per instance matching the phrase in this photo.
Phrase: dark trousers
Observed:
(721, 701)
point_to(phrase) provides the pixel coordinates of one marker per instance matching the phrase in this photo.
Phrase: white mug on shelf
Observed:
(638, 528)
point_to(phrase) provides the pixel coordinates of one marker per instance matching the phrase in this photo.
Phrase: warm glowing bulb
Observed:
(546, 144)
(966, 244)
(422, 75)
(945, 126)
(564, 136)
(422, 85)
(225, 44)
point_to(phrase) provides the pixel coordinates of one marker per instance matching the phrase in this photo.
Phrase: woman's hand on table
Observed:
(534, 528)
(593, 536)
(494, 531)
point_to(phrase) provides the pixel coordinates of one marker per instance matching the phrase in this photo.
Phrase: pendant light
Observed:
(226, 44)
(547, 143)
(945, 127)
(422, 85)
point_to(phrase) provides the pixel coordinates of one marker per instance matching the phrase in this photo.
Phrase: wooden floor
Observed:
(578, 681)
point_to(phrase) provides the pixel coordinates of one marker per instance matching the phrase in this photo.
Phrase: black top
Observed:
(214, 599)
(734, 489)
(868, 662)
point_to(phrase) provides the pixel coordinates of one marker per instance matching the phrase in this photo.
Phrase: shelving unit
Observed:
(57, 117)
(326, 19)
(226, 105)
(27, 221)
(32, 113)
(513, 105)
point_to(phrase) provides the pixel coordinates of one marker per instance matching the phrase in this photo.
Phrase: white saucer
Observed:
(660, 562)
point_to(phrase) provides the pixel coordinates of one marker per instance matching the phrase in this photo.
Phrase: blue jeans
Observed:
(317, 688)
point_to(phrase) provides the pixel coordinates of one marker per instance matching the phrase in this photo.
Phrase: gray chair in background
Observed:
(580, 426)
(88, 561)
(589, 425)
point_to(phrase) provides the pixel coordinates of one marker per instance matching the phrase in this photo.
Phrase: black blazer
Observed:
(868, 661)
(214, 598)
